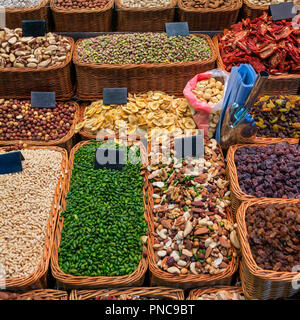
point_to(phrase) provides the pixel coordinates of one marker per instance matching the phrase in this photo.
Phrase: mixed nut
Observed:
(271, 171)
(192, 232)
(145, 3)
(207, 4)
(81, 4)
(140, 48)
(18, 121)
(222, 295)
(17, 51)
(19, 3)
(104, 226)
(143, 111)
(273, 234)
(277, 117)
(267, 2)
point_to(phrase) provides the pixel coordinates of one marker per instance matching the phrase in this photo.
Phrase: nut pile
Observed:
(26, 200)
(139, 48)
(192, 232)
(145, 3)
(267, 2)
(16, 296)
(79, 4)
(144, 111)
(271, 171)
(209, 91)
(125, 297)
(277, 117)
(222, 295)
(273, 233)
(18, 121)
(19, 3)
(32, 52)
(207, 4)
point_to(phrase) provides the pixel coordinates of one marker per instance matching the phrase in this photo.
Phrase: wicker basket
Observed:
(163, 278)
(15, 16)
(17, 83)
(82, 20)
(237, 195)
(196, 293)
(66, 281)
(144, 19)
(209, 19)
(157, 293)
(65, 142)
(258, 283)
(283, 84)
(168, 77)
(48, 294)
(38, 279)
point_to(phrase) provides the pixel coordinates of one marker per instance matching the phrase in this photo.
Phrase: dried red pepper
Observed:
(266, 44)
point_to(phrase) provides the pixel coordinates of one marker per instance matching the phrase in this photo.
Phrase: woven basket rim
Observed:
(260, 7)
(25, 10)
(49, 293)
(88, 280)
(196, 293)
(64, 139)
(164, 292)
(221, 65)
(44, 69)
(146, 65)
(53, 7)
(42, 267)
(236, 5)
(120, 6)
(232, 171)
(188, 278)
(269, 275)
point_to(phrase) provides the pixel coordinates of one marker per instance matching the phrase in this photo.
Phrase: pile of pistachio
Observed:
(193, 234)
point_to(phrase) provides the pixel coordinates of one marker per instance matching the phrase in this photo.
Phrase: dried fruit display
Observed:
(277, 117)
(147, 111)
(273, 233)
(18, 121)
(191, 200)
(265, 44)
(270, 171)
(207, 4)
(222, 295)
(141, 48)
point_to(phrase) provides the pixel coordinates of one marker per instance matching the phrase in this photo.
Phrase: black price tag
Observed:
(43, 99)
(33, 28)
(109, 158)
(189, 146)
(115, 96)
(282, 11)
(174, 29)
(11, 162)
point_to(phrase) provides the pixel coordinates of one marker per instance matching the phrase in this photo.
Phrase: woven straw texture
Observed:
(144, 19)
(66, 281)
(157, 293)
(65, 142)
(168, 77)
(17, 83)
(82, 20)
(49, 294)
(196, 293)
(285, 83)
(14, 17)
(258, 283)
(209, 19)
(38, 279)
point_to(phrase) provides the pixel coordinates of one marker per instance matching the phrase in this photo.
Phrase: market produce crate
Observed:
(18, 82)
(168, 77)
(237, 195)
(82, 20)
(67, 281)
(207, 18)
(15, 16)
(284, 83)
(38, 279)
(144, 19)
(197, 293)
(65, 142)
(160, 293)
(258, 283)
(160, 277)
(42, 294)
